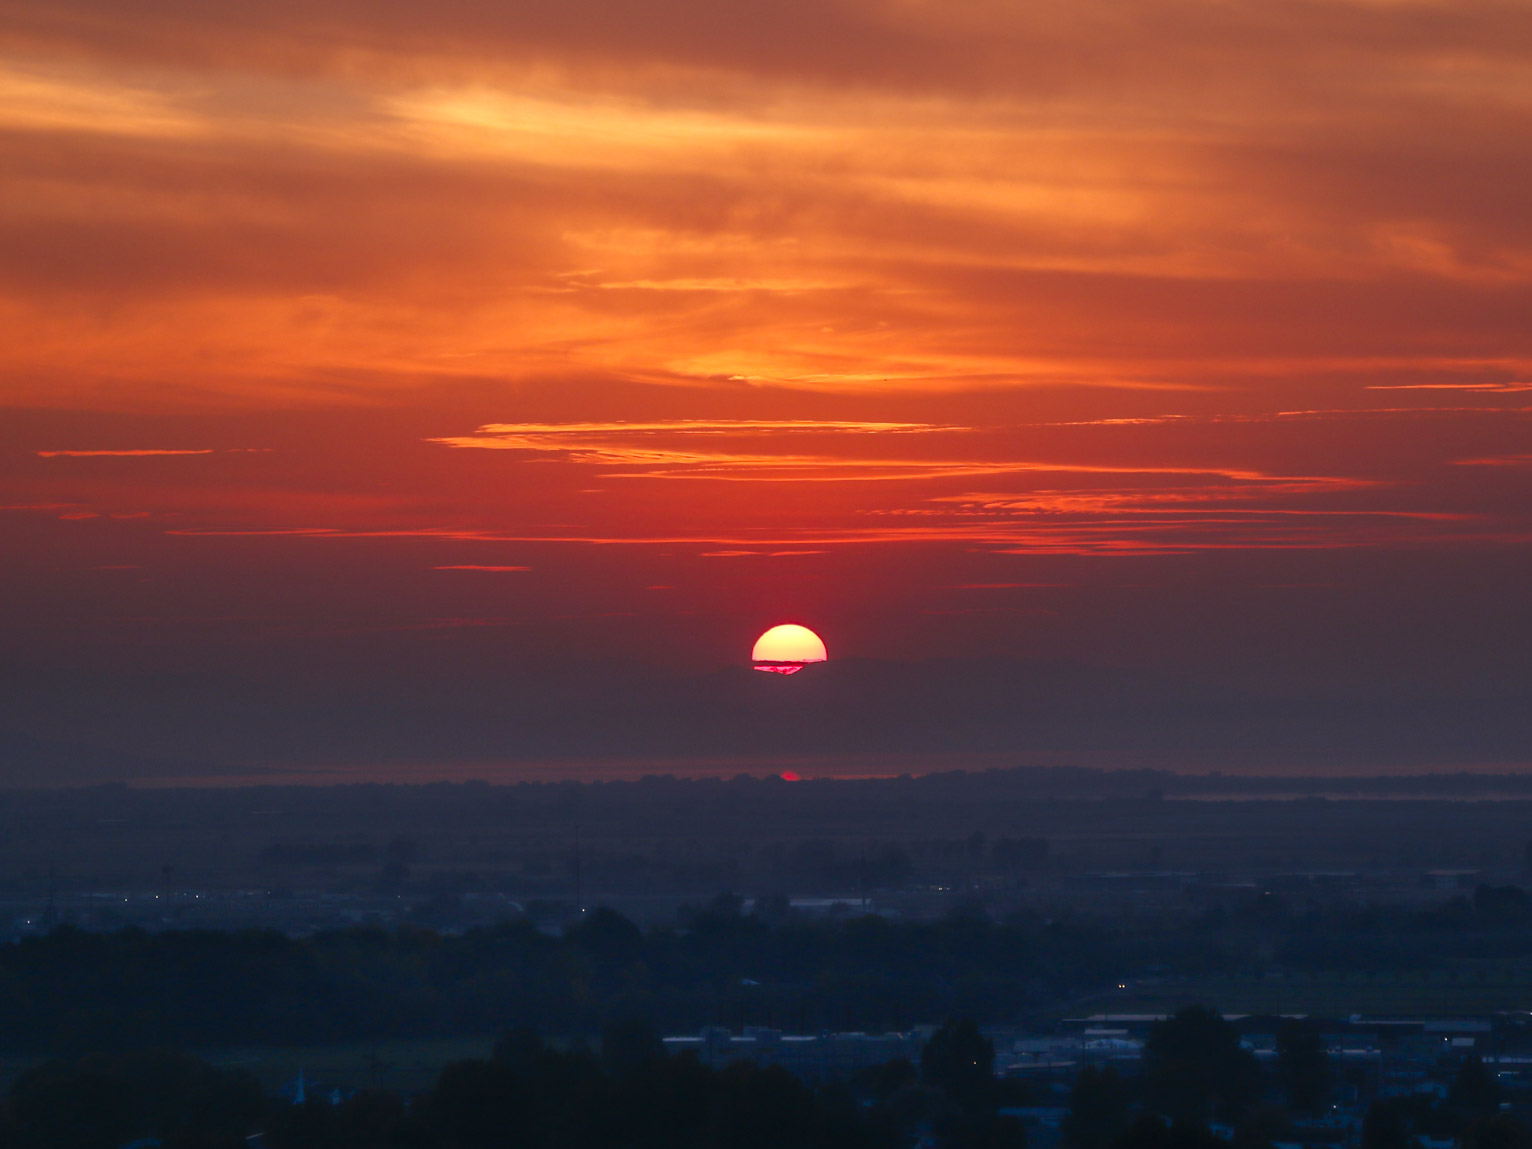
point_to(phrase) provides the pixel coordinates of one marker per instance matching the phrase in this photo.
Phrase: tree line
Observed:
(1195, 1072)
(623, 1091)
(71, 991)
(626, 1094)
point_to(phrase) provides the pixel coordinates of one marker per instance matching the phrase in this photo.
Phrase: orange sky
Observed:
(1193, 335)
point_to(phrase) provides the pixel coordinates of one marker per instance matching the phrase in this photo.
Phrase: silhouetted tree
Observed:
(1474, 1092)
(883, 1081)
(202, 1139)
(1501, 904)
(1387, 1126)
(889, 868)
(397, 856)
(1303, 1065)
(375, 1119)
(607, 936)
(1100, 1109)
(519, 1047)
(760, 1107)
(101, 1102)
(627, 1046)
(960, 1060)
(1020, 853)
(981, 1130)
(814, 862)
(477, 1104)
(774, 907)
(1500, 1131)
(1149, 1131)
(1194, 1067)
(64, 1106)
(1260, 1126)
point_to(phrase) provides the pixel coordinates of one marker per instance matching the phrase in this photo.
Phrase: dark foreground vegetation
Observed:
(632, 1095)
(1195, 1088)
(71, 991)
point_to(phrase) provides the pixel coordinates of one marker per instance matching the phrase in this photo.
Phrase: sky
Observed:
(406, 354)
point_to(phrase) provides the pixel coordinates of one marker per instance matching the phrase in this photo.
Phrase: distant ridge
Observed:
(1074, 782)
(33, 763)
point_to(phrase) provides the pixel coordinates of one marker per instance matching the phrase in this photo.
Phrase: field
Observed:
(1470, 992)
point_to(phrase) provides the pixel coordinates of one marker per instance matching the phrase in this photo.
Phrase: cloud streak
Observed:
(133, 453)
(709, 449)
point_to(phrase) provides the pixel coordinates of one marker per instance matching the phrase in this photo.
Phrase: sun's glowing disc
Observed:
(787, 649)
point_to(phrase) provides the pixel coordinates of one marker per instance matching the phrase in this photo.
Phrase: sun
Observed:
(787, 649)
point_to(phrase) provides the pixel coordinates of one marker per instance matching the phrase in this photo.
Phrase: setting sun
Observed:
(787, 649)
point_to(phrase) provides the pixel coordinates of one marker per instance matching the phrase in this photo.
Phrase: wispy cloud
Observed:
(1522, 460)
(1101, 536)
(513, 431)
(732, 450)
(126, 453)
(1216, 494)
(72, 100)
(715, 448)
(1487, 388)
